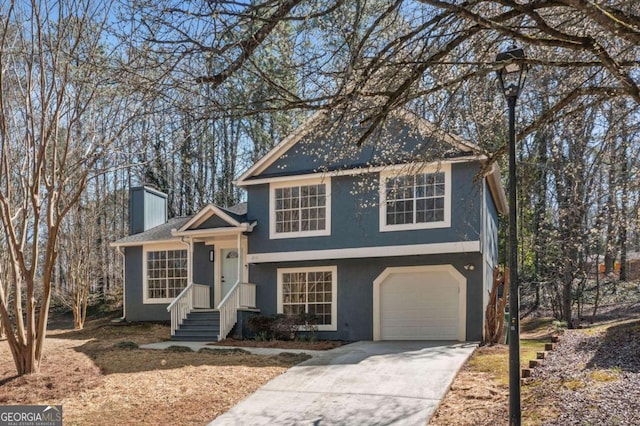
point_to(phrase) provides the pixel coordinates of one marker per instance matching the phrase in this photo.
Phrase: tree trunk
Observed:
(596, 302)
(624, 201)
(494, 314)
(566, 297)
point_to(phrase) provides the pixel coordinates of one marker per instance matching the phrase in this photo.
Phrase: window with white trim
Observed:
(415, 201)
(166, 274)
(309, 291)
(300, 210)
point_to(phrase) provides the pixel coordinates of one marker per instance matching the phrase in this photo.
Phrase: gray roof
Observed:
(163, 232)
(238, 212)
(158, 233)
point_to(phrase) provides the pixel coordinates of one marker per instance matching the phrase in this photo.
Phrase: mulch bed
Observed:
(592, 377)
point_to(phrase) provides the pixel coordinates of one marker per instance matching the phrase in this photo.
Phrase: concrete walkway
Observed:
(364, 383)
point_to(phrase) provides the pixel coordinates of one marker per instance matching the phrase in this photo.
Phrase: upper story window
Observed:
(300, 209)
(166, 274)
(416, 201)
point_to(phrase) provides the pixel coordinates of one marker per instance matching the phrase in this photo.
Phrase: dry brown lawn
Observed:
(100, 381)
(476, 397)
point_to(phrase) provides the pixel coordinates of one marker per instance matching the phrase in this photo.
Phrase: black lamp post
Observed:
(511, 75)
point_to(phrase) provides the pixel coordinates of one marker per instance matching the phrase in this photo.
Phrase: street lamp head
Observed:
(512, 71)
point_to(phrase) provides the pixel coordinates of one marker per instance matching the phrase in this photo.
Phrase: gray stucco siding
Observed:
(355, 290)
(355, 216)
(395, 143)
(214, 222)
(135, 310)
(491, 227)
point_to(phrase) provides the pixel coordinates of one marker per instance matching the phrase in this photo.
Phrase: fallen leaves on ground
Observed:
(474, 398)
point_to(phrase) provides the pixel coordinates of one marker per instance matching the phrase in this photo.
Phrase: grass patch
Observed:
(176, 348)
(290, 357)
(539, 416)
(600, 328)
(574, 384)
(529, 349)
(536, 325)
(495, 360)
(604, 375)
(126, 345)
(232, 351)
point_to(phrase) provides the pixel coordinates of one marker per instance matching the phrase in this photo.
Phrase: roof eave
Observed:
(242, 227)
(116, 244)
(361, 170)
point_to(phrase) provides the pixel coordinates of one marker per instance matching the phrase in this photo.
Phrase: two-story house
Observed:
(393, 239)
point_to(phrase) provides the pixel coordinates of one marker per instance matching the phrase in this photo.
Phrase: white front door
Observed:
(229, 270)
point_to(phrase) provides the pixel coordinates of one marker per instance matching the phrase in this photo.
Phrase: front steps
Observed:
(200, 325)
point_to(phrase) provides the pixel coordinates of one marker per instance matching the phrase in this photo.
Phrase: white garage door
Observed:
(421, 304)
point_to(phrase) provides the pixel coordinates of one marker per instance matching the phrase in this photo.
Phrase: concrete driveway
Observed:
(364, 383)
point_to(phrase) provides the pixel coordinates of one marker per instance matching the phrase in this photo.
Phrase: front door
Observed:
(229, 271)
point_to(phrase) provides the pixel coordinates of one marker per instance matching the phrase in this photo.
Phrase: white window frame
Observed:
(145, 278)
(297, 183)
(446, 223)
(334, 292)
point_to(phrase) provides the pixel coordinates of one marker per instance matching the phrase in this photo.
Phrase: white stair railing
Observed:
(201, 296)
(228, 309)
(247, 295)
(241, 295)
(193, 296)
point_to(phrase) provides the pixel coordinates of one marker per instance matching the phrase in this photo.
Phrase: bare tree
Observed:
(78, 259)
(430, 47)
(60, 109)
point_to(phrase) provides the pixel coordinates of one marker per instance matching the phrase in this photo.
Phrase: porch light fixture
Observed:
(511, 75)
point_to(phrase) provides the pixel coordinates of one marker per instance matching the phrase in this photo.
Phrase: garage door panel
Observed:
(419, 306)
(421, 333)
(421, 317)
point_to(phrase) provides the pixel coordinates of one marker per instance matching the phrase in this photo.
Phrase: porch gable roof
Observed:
(231, 220)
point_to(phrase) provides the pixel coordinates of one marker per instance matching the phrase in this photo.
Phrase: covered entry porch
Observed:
(219, 286)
